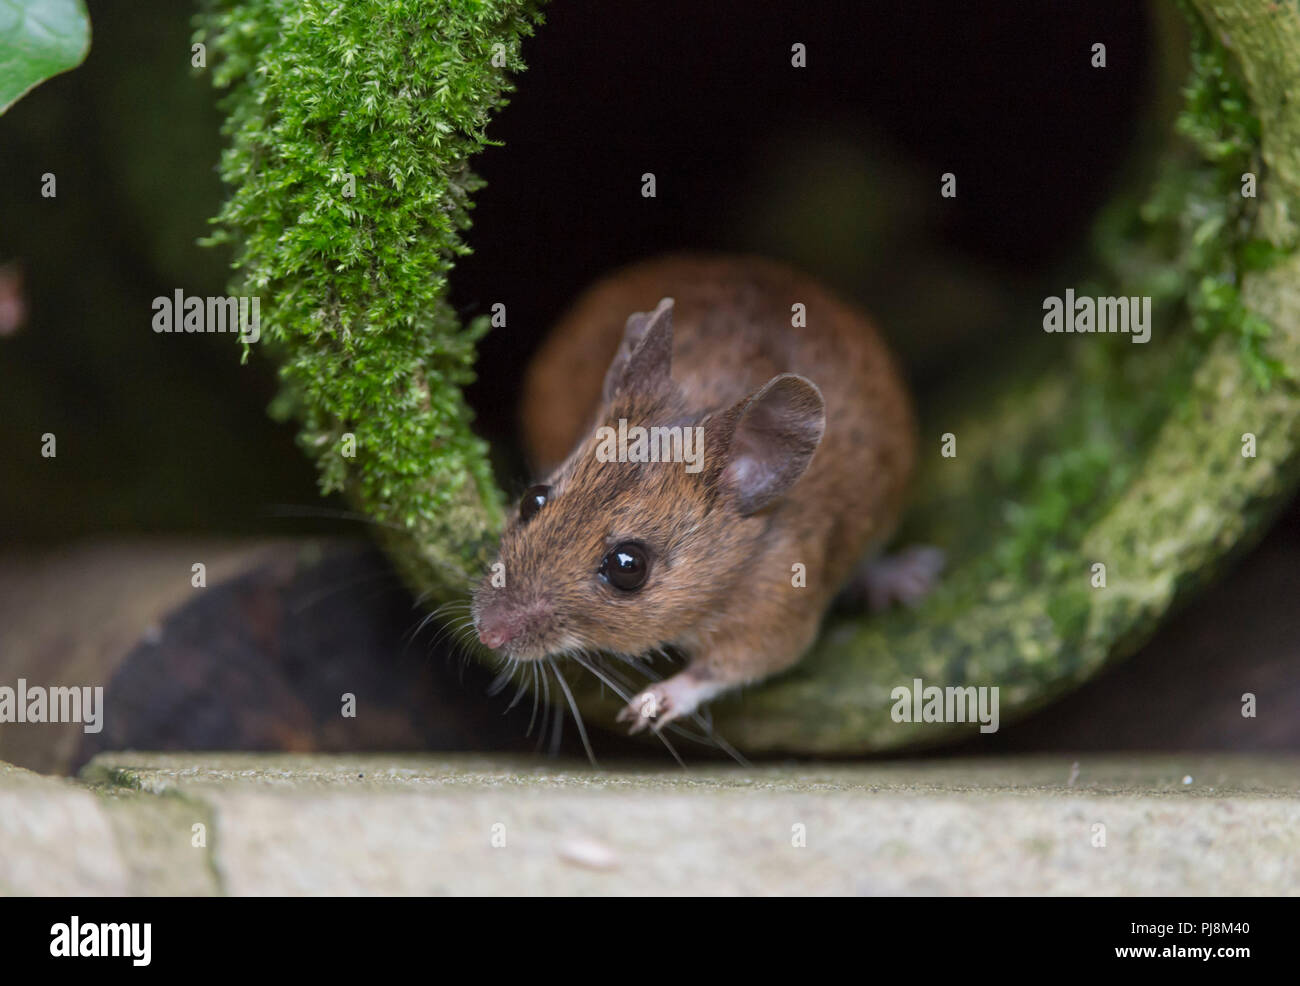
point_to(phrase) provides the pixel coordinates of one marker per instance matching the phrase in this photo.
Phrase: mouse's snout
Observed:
(517, 628)
(493, 635)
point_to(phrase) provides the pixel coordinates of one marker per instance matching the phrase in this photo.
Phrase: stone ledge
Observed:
(55, 838)
(60, 838)
(285, 824)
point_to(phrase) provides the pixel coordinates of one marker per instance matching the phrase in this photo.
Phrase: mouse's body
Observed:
(808, 442)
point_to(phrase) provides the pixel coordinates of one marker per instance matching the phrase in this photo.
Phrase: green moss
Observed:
(390, 99)
(1188, 245)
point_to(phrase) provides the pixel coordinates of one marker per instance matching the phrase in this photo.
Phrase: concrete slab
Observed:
(284, 824)
(55, 838)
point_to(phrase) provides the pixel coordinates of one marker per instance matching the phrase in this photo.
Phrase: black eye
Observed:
(626, 567)
(533, 500)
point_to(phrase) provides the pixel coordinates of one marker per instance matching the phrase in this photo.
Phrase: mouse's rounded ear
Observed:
(774, 433)
(644, 361)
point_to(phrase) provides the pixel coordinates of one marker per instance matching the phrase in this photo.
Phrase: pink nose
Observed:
(493, 636)
(502, 623)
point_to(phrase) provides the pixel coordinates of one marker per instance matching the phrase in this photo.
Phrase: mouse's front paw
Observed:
(665, 701)
(652, 707)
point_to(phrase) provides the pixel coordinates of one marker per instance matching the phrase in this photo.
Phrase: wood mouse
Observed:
(794, 437)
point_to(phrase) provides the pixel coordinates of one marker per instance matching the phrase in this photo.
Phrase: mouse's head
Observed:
(636, 539)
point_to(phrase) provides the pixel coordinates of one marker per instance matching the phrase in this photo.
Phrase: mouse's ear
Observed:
(776, 430)
(644, 359)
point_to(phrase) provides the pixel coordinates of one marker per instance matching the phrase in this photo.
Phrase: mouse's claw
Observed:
(667, 700)
(643, 710)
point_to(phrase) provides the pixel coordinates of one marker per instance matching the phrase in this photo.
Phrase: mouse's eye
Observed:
(626, 567)
(533, 500)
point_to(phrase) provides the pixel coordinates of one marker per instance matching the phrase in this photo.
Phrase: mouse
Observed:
(721, 447)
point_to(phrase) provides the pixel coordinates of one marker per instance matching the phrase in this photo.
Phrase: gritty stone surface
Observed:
(55, 838)
(163, 853)
(58, 837)
(284, 824)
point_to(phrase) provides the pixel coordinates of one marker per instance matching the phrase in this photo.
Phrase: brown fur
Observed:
(720, 582)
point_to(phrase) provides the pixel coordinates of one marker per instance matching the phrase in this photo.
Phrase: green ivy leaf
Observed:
(38, 40)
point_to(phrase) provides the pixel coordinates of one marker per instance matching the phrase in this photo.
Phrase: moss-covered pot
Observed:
(1096, 484)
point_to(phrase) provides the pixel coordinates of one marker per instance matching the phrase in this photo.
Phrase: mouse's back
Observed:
(738, 321)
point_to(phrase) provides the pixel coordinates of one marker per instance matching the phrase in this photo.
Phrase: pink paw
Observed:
(667, 700)
(907, 577)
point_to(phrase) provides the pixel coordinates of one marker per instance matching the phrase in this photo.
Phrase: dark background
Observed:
(834, 167)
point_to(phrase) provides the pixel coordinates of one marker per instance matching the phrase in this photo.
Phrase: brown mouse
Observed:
(790, 439)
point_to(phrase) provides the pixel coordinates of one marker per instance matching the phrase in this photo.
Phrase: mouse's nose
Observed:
(500, 624)
(493, 635)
